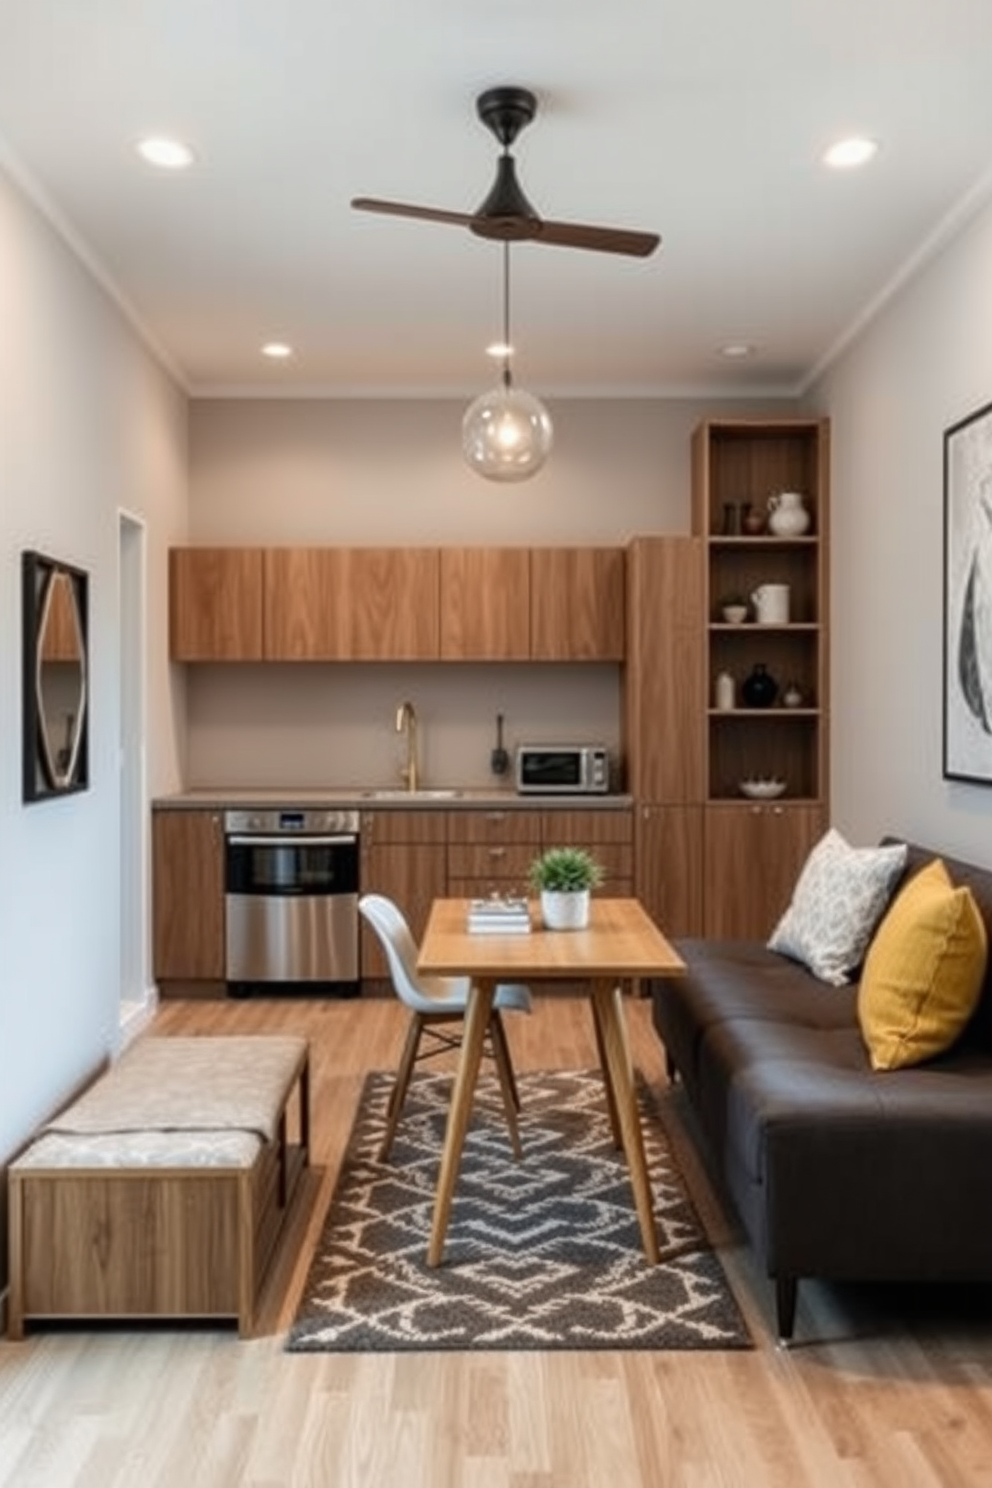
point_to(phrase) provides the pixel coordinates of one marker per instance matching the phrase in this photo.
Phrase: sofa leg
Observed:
(786, 1288)
(671, 1070)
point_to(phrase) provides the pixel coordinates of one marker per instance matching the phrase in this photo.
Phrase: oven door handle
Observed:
(283, 839)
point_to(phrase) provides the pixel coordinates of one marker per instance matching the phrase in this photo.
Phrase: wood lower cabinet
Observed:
(752, 856)
(404, 856)
(490, 851)
(215, 604)
(668, 863)
(577, 605)
(187, 896)
(351, 604)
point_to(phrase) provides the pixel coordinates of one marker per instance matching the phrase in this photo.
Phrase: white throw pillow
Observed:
(839, 898)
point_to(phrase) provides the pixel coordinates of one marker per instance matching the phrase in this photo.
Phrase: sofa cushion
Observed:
(923, 972)
(840, 896)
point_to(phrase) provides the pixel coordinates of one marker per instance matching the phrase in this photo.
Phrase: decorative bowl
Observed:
(734, 614)
(762, 790)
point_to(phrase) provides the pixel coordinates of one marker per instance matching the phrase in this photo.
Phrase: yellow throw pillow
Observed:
(924, 970)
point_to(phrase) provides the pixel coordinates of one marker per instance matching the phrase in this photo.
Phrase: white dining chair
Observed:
(437, 1005)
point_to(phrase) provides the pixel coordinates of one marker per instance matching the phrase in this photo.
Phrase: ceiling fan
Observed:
(506, 214)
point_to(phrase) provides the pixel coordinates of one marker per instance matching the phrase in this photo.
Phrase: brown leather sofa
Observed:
(837, 1171)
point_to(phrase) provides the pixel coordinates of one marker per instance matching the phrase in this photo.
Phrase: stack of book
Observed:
(498, 916)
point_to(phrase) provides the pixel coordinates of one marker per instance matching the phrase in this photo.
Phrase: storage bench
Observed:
(162, 1190)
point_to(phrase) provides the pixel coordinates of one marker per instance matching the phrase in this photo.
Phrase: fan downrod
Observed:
(505, 111)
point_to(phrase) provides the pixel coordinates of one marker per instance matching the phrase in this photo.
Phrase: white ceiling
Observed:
(703, 120)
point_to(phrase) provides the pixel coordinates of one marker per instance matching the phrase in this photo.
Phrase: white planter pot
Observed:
(565, 911)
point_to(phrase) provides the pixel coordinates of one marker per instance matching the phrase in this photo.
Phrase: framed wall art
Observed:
(968, 598)
(55, 704)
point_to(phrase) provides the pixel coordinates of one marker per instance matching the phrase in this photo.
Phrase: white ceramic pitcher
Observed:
(787, 516)
(771, 604)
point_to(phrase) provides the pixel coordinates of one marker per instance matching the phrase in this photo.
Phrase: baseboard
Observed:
(135, 1016)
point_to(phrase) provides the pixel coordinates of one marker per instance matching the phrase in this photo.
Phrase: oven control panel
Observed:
(289, 823)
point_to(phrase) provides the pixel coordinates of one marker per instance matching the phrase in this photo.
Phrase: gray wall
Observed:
(88, 423)
(922, 364)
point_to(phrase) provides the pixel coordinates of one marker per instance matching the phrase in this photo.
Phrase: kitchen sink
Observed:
(397, 793)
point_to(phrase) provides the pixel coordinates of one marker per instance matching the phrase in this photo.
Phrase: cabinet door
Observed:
(668, 858)
(215, 604)
(485, 604)
(751, 859)
(404, 857)
(351, 604)
(187, 895)
(577, 606)
(664, 694)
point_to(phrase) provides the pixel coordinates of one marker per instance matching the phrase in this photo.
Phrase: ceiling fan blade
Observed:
(600, 239)
(404, 209)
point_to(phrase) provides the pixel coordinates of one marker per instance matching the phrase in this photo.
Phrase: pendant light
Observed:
(506, 433)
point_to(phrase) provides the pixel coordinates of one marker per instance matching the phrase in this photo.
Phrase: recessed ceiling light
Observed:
(277, 350)
(168, 154)
(736, 350)
(847, 153)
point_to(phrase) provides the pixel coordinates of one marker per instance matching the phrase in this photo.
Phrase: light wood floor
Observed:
(880, 1391)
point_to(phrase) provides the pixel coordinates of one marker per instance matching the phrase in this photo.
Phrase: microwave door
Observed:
(553, 771)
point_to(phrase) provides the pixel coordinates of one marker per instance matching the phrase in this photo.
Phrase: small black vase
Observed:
(759, 689)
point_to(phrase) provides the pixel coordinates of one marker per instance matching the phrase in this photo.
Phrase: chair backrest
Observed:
(389, 924)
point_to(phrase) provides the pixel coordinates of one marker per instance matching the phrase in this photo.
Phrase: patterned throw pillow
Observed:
(840, 896)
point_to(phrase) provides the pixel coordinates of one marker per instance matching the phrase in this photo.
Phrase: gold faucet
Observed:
(406, 722)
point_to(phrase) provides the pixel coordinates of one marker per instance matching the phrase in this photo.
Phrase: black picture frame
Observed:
(967, 752)
(55, 692)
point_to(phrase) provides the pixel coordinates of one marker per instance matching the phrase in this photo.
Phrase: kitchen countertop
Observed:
(216, 798)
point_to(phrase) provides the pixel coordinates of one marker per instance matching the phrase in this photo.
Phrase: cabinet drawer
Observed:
(381, 827)
(494, 826)
(495, 860)
(586, 828)
(485, 887)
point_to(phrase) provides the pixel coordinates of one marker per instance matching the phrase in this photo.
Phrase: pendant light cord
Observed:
(506, 314)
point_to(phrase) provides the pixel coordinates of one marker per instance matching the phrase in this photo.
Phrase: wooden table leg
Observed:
(606, 996)
(611, 1104)
(480, 1002)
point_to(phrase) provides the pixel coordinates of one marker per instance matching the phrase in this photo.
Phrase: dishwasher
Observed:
(291, 903)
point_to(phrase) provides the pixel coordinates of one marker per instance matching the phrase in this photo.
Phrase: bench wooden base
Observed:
(154, 1242)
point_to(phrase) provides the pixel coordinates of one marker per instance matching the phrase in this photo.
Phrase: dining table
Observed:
(620, 944)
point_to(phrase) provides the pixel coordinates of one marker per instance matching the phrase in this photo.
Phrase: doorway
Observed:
(135, 982)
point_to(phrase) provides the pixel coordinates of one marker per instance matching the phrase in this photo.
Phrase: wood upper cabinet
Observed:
(577, 605)
(188, 895)
(485, 604)
(752, 856)
(665, 691)
(351, 604)
(215, 604)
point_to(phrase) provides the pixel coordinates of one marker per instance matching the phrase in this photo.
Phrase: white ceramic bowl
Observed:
(762, 790)
(735, 614)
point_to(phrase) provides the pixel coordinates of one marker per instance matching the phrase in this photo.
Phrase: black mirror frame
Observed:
(37, 574)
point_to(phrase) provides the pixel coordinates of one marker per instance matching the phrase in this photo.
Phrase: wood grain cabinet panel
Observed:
(403, 855)
(668, 873)
(665, 683)
(188, 895)
(752, 856)
(485, 604)
(215, 604)
(351, 604)
(577, 605)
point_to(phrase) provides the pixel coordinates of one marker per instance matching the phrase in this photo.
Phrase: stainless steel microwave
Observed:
(562, 769)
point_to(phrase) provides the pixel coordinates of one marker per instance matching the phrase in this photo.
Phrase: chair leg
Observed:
(398, 1093)
(507, 1082)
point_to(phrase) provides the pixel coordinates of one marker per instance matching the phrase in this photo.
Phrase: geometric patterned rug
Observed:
(539, 1254)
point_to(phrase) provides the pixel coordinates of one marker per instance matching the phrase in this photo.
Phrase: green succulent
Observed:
(565, 870)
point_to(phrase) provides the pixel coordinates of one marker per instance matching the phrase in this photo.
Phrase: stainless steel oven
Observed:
(291, 900)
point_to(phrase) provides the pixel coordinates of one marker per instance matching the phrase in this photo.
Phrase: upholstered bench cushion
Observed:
(151, 1149)
(190, 1085)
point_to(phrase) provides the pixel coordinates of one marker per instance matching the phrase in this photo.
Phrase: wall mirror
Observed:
(56, 677)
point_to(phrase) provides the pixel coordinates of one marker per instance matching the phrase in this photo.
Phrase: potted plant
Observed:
(563, 877)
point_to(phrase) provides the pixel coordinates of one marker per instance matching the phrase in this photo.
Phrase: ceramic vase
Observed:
(787, 516)
(562, 910)
(759, 688)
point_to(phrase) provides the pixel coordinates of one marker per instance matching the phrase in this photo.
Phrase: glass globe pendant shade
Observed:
(507, 434)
